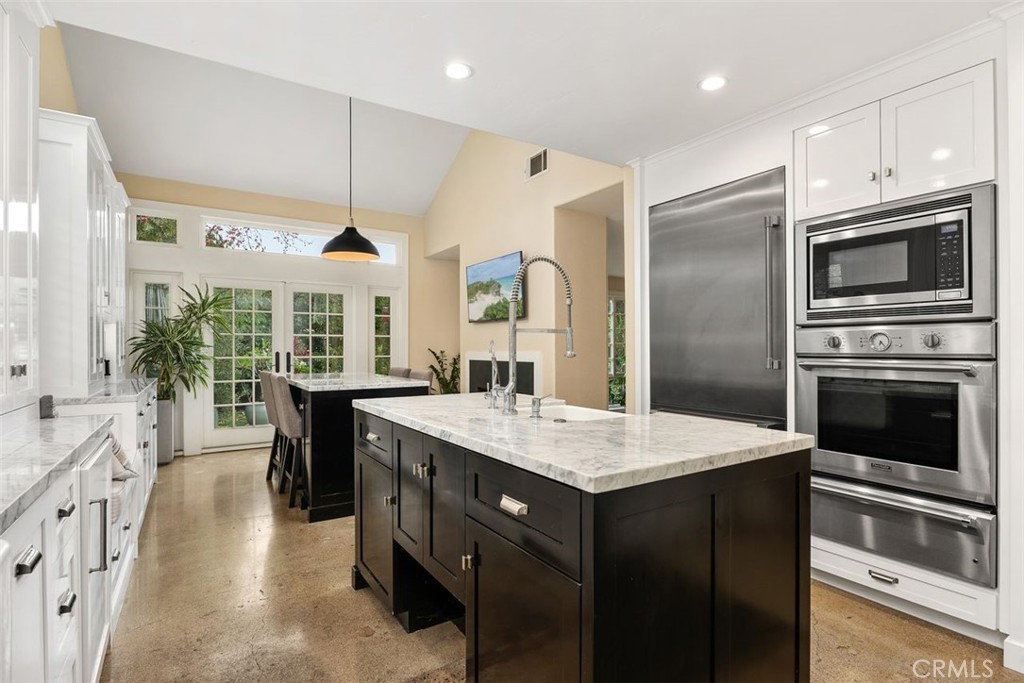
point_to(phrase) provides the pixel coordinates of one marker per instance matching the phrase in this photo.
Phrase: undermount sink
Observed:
(577, 414)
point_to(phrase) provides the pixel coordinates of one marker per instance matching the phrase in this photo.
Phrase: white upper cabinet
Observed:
(940, 134)
(935, 136)
(837, 163)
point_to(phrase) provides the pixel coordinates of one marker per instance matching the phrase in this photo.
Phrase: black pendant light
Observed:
(350, 245)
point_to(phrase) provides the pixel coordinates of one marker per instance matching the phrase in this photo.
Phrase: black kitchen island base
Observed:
(704, 577)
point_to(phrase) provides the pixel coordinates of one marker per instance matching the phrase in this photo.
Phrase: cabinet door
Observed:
(940, 134)
(516, 604)
(837, 163)
(374, 552)
(28, 596)
(94, 503)
(444, 519)
(407, 451)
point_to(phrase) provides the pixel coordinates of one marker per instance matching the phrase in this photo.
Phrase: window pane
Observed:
(300, 347)
(300, 324)
(243, 299)
(319, 365)
(222, 393)
(318, 324)
(336, 324)
(300, 302)
(336, 346)
(156, 229)
(319, 302)
(268, 240)
(242, 416)
(261, 323)
(319, 346)
(382, 305)
(382, 326)
(336, 365)
(222, 369)
(223, 417)
(382, 366)
(382, 347)
(264, 300)
(243, 322)
(336, 303)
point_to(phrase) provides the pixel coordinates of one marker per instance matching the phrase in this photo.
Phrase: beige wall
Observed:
(616, 284)
(485, 208)
(581, 247)
(55, 89)
(434, 283)
(631, 284)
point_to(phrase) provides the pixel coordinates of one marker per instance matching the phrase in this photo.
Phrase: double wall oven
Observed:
(896, 378)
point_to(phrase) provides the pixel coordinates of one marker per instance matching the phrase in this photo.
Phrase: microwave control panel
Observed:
(949, 258)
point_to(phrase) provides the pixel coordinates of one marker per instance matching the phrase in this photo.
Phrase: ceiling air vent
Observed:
(538, 164)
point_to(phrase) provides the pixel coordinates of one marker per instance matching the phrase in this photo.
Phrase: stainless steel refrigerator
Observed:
(717, 301)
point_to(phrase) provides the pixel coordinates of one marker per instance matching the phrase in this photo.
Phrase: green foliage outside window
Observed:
(156, 229)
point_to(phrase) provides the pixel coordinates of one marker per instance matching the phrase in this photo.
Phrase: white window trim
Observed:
(133, 216)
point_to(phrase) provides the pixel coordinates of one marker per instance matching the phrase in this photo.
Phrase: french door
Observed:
(287, 327)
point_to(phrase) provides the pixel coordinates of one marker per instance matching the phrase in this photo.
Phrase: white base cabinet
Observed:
(94, 478)
(938, 135)
(26, 573)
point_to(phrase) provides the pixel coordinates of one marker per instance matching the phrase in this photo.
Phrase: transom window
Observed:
(158, 229)
(271, 240)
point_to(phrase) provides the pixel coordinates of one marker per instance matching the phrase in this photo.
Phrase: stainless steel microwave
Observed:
(929, 258)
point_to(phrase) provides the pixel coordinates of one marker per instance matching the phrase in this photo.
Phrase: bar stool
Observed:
(425, 375)
(277, 450)
(292, 428)
(399, 372)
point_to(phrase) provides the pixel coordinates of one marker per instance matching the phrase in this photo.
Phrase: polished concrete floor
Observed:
(232, 586)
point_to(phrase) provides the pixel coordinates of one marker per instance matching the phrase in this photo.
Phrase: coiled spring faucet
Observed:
(513, 309)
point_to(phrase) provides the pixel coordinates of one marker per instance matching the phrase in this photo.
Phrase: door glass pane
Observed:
(909, 422)
(238, 358)
(382, 334)
(318, 323)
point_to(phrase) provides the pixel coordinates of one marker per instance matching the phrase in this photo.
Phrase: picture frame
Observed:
(489, 285)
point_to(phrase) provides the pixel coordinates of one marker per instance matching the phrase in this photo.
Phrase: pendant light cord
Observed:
(351, 221)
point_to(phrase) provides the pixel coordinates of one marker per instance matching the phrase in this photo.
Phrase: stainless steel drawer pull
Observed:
(373, 437)
(514, 507)
(116, 556)
(67, 602)
(467, 562)
(145, 444)
(127, 526)
(884, 578)
(389, 500)
(66, 509)
(104, 504)
(27, 561)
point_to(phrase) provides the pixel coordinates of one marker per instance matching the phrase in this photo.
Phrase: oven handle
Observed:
(899, 502)
(969, 370)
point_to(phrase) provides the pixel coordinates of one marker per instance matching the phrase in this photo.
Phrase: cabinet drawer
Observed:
(373, 437)
(548, 520)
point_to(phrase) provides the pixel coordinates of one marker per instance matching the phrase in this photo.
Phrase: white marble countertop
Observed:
(35, 455)
(593, 456)
(123, 391)
(352, 381)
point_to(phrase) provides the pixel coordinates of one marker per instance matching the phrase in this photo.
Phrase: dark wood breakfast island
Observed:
(588, 546)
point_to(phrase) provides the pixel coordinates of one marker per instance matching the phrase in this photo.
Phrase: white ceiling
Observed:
(609, 81)
(168, 115)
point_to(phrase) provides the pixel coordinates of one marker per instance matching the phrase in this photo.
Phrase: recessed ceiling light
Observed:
(458, 70)
(712, 83)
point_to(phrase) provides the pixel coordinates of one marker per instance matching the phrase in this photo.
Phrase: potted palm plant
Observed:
(447, 371)
(173, 350)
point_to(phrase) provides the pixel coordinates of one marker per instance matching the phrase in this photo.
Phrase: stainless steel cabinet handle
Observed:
(66, 509)
(104, 504)
(467, 562)
(513, 506)
(67, 602)
(415, 469)
(969, 370)
(884, 578)
(872, 176)
(888, 172)
(116, 556)
(389, 500)
(27, 561)
(372, 437)
(770, 363)
(145, 444)
(898, 502)
(127, 526)
(424, 470)
(141, 413)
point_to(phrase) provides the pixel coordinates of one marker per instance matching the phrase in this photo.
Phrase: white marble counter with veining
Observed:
(35, 455)
(123, 391)
(352, 381)
(594, 456)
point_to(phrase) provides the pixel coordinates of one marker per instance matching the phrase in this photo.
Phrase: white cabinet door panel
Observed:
(939, 135)
(837, 163)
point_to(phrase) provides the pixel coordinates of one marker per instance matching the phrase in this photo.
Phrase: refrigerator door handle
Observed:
(771, 362)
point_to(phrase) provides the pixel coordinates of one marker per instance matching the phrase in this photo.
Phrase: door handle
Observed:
(104, 534)
(277, 361)
(27, 561)
(969, 370)
(771, 362)
(288, 362)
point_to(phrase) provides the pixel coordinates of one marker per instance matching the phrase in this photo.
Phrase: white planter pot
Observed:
(164, 432)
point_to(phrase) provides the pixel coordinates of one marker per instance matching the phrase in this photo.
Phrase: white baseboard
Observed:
(988, 636)
(1013, 654)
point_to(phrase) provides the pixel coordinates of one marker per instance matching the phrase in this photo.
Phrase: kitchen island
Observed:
(326, 404)
(588, 545)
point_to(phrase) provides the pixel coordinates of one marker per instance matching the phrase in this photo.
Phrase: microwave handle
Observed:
(899, 502)
(969, 370)
(771, 362)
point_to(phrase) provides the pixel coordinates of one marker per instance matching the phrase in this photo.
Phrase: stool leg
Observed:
(273, 457)
(304, 475)
(283, 470)
(296, 482)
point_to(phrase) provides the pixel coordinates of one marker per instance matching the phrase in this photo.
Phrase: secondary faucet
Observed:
(494, 388)
(513, 309)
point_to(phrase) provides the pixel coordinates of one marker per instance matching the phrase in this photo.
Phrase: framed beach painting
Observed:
(489, 285)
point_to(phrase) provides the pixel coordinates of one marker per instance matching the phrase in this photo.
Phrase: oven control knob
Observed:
(833, 341)
(880, 341)
(932, 340)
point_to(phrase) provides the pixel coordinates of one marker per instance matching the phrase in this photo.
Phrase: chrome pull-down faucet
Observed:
(513, 308)
(494, 388)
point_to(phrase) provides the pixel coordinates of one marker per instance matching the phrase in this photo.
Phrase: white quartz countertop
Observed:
(593, 456)
(123, 391)
(352, 381)
(36, 454)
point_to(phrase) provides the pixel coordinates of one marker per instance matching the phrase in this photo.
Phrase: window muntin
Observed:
(270, 240)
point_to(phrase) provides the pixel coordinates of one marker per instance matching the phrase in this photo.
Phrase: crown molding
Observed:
(38, 12)
(1008, 11)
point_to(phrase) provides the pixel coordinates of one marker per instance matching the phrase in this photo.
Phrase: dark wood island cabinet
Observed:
(700, 576)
